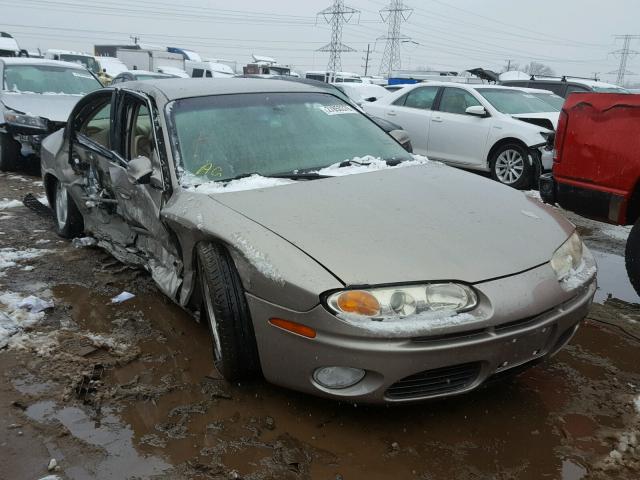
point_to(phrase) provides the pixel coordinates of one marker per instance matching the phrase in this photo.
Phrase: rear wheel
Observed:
(632, 256)
(235, 353)
(9, 152)
(69, 223)
(510, 165)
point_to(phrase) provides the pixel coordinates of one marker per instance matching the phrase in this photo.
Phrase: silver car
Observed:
(36, 98)
(320, 253)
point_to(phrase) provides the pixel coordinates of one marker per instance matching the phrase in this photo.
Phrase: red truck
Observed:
(596, 167)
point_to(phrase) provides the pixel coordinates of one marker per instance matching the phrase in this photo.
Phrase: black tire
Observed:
(234, 349)
(9, 153)
(69, 224)
(510, 165)
(632, 257)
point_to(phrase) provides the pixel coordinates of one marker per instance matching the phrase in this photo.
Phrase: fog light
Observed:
(338, 377)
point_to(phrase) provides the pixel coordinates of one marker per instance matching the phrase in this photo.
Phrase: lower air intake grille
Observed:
(435, 382)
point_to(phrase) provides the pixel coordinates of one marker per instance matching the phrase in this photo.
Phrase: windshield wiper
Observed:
(298, 175)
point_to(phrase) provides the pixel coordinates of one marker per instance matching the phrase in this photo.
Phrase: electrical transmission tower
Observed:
(625, 52)
(337, 15)
(394, 14)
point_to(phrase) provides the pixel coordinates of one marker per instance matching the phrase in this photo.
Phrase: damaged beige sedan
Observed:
(319, 252)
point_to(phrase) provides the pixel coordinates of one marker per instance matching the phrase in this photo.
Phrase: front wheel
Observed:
(510, 165)
(632, 257)
(235, 353)
(69, 223)
(9, 153)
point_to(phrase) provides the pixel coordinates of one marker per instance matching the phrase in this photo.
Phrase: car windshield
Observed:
(226, 136)
(48, 79)
(88, 62)
(552, 99)
(609, 89)
(515, 101)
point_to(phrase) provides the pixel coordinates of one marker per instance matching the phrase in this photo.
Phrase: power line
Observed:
(625, 52)
(394, 14)
(337, 15)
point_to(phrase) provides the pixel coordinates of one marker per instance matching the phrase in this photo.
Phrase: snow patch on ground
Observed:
(16, 315)
(413, 325)
(636, 404)
(6, 203)
(9, 257)
(258, 259)
(533, 194)
(617, 232)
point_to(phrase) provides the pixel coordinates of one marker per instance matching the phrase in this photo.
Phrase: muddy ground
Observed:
(118, 391)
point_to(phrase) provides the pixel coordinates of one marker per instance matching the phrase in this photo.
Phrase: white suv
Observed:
(502, 130)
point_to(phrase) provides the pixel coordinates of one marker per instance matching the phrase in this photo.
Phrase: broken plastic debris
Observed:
(53, 463)
(34, 304)
(122, 297)
(84, 242)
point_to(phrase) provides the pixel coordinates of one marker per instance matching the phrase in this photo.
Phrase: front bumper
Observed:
(529, 317)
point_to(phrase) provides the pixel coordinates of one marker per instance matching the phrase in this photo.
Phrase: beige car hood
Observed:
(408, 224)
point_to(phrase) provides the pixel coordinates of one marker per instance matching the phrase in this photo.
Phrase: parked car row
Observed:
(286, 220)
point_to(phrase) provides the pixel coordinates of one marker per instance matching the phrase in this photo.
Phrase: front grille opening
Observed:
(459, 336)
(435, 382)
(522, 323)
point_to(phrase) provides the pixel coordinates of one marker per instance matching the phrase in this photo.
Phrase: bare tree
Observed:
(535, 68)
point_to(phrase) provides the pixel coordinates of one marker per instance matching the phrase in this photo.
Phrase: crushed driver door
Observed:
(141, 197)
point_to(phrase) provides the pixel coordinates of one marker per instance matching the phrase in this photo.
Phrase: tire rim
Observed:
(211, 316)
(509, 166)
(61, 206)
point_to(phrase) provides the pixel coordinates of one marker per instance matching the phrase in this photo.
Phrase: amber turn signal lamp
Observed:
(293, 327)
(358, 302)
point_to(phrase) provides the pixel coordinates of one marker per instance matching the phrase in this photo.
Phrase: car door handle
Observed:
(391, 113)
(437, 120)
(124, 195)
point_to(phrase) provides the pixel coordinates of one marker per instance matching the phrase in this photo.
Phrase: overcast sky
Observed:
(571, 36)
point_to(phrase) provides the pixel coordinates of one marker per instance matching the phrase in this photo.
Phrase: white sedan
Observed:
(502, 130)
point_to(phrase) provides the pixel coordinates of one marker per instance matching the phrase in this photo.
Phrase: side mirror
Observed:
(476, 111)
(139, 171)
(402, 137)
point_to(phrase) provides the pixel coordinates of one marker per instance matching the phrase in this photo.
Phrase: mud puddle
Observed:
(613, 281)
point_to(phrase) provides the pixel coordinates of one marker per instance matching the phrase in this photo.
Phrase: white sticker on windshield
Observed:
(81, 75)
(337, 109)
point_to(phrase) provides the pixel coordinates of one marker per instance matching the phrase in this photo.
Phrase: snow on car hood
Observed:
(53, 107)
(420, 223)
(542, 119)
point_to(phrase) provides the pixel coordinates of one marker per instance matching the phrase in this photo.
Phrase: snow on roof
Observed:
(9, 44)
(67, 52)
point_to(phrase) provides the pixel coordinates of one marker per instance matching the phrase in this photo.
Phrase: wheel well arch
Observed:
(633, 209)
(500, 143)
(48, 182)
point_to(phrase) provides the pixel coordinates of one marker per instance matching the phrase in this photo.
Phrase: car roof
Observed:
(581, 81)
(175, 88)
(40, 61)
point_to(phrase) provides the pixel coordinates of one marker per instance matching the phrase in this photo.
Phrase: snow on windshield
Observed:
(349, 167)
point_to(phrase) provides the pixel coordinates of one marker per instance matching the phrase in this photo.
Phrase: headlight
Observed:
(568, 257)
(26, 120)
(403, 301)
